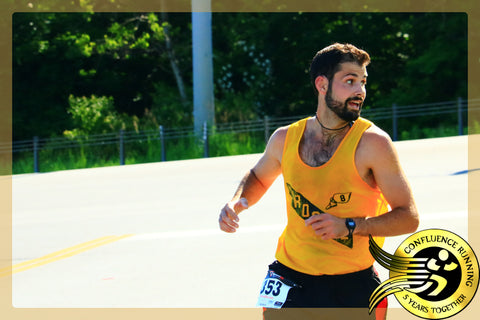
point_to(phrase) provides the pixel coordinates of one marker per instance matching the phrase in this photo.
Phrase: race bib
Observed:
(274, 291)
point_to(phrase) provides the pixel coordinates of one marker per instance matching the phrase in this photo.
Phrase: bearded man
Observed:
(343, 183)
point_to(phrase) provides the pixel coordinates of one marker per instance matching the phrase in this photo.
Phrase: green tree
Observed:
(261, 63)
(411, 60)
(121, 55)
(93, 115)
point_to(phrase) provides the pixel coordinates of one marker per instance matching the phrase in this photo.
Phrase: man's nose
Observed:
(361, 91)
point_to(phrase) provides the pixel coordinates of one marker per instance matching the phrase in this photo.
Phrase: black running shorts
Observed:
(345, 291)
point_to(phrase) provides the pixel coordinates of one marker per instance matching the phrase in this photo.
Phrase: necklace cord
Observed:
(321, 125)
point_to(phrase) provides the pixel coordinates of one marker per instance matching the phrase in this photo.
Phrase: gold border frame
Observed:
(8, 7)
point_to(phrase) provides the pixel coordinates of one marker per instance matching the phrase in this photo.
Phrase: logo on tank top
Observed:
(338, 198)
(434, 274)
(305, 209)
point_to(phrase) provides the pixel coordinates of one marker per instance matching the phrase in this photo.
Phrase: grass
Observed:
(176, 149)
(137, 152)
(415, 132)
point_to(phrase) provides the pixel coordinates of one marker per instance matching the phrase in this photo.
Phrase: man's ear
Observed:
(321, 83)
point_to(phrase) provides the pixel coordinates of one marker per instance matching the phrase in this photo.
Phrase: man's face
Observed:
(346, 92)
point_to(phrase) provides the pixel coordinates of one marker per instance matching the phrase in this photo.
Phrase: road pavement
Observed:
(146, 236)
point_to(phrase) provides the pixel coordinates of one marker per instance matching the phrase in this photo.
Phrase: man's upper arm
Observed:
(269, 167)
(388, 173)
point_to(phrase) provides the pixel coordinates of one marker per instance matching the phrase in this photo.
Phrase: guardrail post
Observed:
(394, 122)
(205, 140)
(122, 152)
(460, 116)
(35, 154)
(267, 129)
(162, 141)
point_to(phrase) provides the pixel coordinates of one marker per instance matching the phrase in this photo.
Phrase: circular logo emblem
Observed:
(434, 274)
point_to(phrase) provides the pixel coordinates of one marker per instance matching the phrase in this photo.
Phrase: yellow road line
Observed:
(58, 255)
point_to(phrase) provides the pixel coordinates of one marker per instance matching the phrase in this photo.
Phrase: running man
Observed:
(343, 182)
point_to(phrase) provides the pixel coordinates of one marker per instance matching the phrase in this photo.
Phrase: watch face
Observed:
(351, 224)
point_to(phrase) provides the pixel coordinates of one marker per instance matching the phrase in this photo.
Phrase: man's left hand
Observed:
(327, 226)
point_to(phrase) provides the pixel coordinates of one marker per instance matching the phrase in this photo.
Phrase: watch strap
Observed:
(350, 223)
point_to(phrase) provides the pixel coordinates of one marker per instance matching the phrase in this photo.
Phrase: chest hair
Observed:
(316, 150)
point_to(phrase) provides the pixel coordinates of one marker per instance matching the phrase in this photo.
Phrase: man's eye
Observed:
(350, 81)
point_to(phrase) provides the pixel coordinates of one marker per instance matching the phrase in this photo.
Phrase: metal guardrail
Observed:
(267, 125)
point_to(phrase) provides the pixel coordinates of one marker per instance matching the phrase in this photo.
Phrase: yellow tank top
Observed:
(335, 188)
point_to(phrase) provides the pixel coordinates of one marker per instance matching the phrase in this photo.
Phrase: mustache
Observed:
(355, 99)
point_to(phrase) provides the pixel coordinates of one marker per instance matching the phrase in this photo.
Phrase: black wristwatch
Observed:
(350, 226)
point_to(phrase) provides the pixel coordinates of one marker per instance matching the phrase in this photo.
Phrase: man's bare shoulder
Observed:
(375, 143)
(276, 143)
(376, 135)
(280, 134)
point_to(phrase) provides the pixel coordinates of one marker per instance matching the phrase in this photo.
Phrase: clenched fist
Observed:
(228, 219)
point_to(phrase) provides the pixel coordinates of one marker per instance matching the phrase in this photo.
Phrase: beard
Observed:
(341, 109)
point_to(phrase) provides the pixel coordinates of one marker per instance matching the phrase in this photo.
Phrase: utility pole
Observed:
(203, 98)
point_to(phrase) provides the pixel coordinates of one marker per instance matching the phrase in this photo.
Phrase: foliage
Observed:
(166, 108)
(120, 55)
(406, 49)
(93, 115)
(415, 132)
(176, 149)
(236, 144)
(235, 107)
(475, 128)
(93, 72)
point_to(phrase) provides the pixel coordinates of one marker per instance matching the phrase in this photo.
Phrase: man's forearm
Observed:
(396, 222)
(250, 188)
